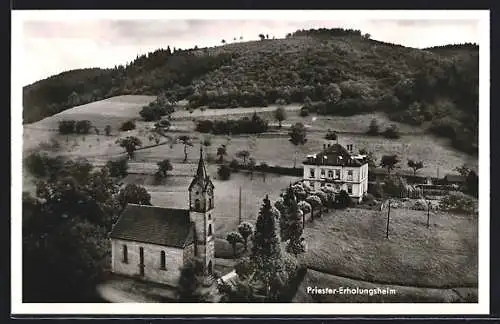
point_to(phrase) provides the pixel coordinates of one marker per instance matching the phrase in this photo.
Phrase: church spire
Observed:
(201, 172)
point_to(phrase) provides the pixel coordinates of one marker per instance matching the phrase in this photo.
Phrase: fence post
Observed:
(388, 218)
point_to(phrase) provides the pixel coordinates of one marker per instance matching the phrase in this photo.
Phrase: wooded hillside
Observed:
(334, 71)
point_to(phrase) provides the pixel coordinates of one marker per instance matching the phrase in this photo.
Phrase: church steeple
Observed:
(201, 172)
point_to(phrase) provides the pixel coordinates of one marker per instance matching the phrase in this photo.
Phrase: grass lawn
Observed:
(352, 243)
(402, 294)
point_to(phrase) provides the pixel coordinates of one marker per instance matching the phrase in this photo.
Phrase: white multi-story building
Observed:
(338, 168)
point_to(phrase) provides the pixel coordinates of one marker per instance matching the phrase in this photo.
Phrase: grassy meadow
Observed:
(351, 243)
(403, 294)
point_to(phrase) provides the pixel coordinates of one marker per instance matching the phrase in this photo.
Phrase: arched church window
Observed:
(125, 254)
(162, 260)
(197, 204)
(209, 229)
(209, 216)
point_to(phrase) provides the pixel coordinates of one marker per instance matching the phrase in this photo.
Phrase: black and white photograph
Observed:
(262, 158)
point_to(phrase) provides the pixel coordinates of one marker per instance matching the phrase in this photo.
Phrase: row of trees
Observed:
(244, 125)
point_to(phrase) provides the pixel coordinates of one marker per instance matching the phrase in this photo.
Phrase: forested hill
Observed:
(342, 71)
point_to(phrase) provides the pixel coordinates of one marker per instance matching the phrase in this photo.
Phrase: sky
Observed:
(52, 46)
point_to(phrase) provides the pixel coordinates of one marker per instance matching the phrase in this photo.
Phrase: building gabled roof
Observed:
(334, 155)
(155, 225)
(454, 178)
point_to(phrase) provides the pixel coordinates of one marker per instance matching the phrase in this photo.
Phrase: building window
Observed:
(162, 260)
(125, 254)
(349, 189)
(322, 172)
(210, 202)
(209, 229)
(197, 204)
(311, 173)
(337, 174)
(349, 175)
(330, 174)
(209, 216)
(349, 147)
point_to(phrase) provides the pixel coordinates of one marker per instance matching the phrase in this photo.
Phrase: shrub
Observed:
(392, 132)
(304, 112)
(342, 200)
(395, 186)
(224, 172)
(67, 127)
(234, 165)
(128, 125)
(369, 199)
(458, 202)
(83, 126)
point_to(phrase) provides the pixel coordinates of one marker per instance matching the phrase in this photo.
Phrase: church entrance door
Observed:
(141, 261)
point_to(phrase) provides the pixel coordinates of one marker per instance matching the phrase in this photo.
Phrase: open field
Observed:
(277, 150)
(174, 194)
(403, 294)
(351, 243)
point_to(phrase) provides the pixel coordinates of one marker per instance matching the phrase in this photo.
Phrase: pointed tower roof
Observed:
(201, 175)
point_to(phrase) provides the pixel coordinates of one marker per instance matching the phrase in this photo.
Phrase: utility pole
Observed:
(239, 208)
(388, 217)
(428, 212)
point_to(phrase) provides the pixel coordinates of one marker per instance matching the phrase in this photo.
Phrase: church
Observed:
(153, 243)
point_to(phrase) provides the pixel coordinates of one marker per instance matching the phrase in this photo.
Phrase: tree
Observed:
(224, 172)
(118, 168)
(186, 141)
(223, 41)
(164, 166)
(392, 132)
(415, 165)
(251, 167)
(334, 94)
(305, 207)
(315, 203)
(472, 183)
(243, 154)
(298, 137)
(262, 37)
(128, 125)
(389, 162)
(65, 233)
(463, 170)
(234, 238)
(373, 129)
(298, 134)
(134, 194)
(266, 248)
(107, 130)
(83, 126)
(331, 135)
(130, 144)
(246, 230)
(295, 243)
(280, 115)
(189, 286)
(342, 200)
(221, 152)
